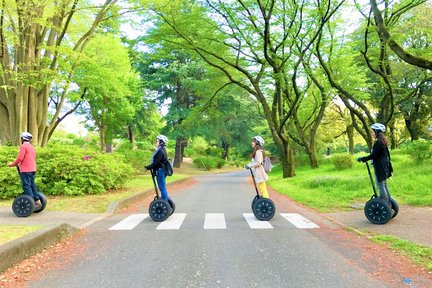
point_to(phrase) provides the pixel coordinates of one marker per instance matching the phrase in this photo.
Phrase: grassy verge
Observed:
(11, 232)
(419, 254)
(328, 189)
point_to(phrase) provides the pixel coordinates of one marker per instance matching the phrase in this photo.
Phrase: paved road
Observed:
(211, 241)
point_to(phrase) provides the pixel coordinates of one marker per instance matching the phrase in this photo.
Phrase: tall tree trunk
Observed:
(26, 60)
(102, 138)
(108, 147)
(131, 136)
(225, 152)
(350, 135)
(412, 129)
(178, 156)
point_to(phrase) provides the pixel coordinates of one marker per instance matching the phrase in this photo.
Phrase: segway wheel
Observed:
(23, 206)
(264, 209)
(394, 207)
(43, 201)
(172, 204)
(254, 201)
(159, 210)
(377, 211)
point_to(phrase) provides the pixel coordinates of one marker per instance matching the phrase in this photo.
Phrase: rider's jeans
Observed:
(383, 190)
(28, 184)
(161, 181)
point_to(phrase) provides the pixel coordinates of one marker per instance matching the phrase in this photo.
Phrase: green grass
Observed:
(11, 232)
(417, 253)
(328, 189)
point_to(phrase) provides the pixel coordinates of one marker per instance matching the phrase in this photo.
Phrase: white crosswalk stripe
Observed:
(130, 222)
(255, 223)
(299, 221)
(173, 222)
(213, 221)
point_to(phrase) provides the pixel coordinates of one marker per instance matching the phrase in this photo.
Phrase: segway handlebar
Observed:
(154, 182)
(371, 179)
(253, 178)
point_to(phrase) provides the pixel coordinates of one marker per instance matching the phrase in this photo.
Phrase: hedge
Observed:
(66, 170)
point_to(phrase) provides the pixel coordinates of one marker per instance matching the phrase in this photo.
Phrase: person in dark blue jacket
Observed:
(159, 159)
(380, 157)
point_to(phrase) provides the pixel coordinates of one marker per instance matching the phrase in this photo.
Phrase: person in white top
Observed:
(257, 164)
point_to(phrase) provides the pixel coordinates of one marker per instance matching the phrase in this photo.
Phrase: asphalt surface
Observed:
(238, 256)
(411, 223)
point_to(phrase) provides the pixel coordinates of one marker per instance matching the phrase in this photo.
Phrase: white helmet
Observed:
(259, 139)
(378, 127)
(162, 138)
(26, 136)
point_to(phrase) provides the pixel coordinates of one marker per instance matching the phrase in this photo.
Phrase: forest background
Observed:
(310, 77)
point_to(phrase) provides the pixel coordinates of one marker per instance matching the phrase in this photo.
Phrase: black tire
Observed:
(254, 201)
(23, 206)
(159, 210)
(172, 204)
(377, 211)
(394, 207)
(264, 209)
(43, 201)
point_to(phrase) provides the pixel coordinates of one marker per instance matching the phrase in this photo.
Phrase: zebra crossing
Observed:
(212, 221)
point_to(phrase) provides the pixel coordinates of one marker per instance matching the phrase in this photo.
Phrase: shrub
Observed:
(342, 161)
(67, 170)
(209, 163)
(138, 159)
(220, 163)
(196, 146)
(420, 150)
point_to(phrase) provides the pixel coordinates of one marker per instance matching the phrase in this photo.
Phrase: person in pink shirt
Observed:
(26, 161)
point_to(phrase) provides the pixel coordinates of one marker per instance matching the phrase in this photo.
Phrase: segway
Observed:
(160, 209)
(377, 210)
(263, 208)
(24, 205)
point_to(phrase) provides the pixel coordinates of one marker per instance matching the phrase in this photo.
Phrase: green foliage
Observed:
(420, 150)
(67, 170)
(137, 158)
(342, 161)
(196, 146)
(9, 178)
(209, 162)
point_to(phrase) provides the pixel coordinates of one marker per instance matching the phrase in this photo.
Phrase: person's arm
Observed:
(20, 158)
(258, 160)
(377, 150)
(157, 160)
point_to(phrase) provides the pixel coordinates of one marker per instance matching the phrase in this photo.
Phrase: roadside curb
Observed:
(19, 249)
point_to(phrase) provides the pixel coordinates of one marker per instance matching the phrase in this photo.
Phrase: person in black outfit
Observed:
(380, 157)
(159, 158)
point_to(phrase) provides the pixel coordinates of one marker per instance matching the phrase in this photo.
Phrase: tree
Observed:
(225, 116)
(40, 45)
(390, 17)
(253, 44)
(112, 96)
